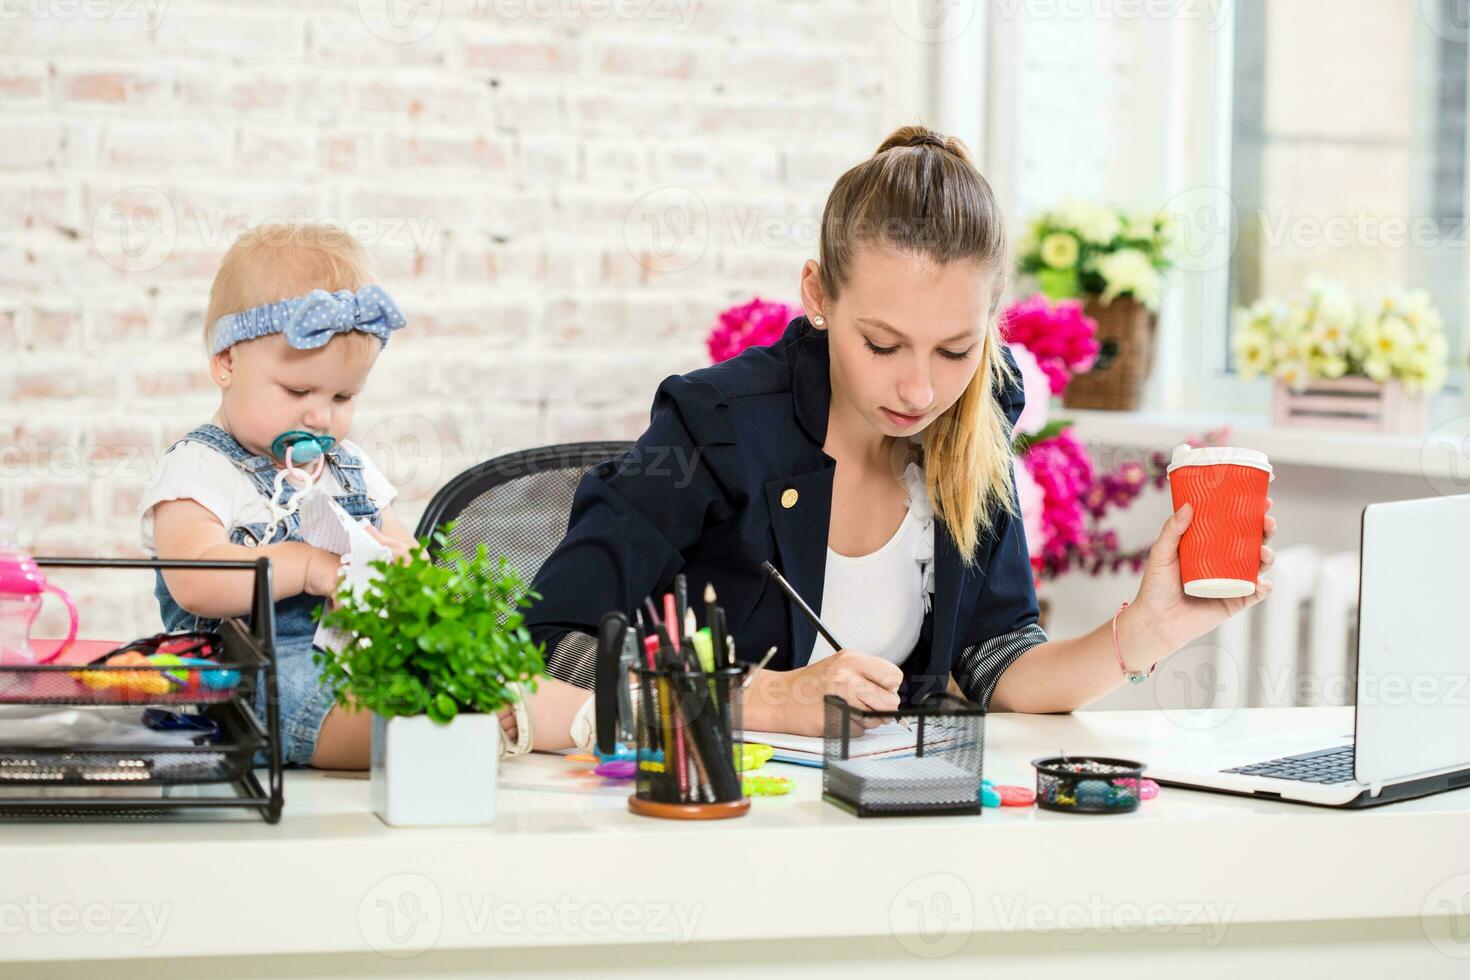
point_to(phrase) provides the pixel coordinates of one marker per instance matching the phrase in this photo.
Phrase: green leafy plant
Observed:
(433, 638)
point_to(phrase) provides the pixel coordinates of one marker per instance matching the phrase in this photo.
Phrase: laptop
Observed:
(1411, 728)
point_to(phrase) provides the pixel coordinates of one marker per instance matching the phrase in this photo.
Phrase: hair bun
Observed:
(908, 136)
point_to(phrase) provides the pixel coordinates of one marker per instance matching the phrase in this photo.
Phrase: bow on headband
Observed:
(310, 321)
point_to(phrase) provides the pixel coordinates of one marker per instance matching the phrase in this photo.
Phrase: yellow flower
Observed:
(1059, 250)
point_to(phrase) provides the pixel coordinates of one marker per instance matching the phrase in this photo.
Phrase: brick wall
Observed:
(560, 193)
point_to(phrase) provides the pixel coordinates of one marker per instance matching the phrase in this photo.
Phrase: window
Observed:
(1347, 150)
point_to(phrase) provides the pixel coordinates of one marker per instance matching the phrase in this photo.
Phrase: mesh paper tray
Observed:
(938, 769)
(65, 683)
(224, 760)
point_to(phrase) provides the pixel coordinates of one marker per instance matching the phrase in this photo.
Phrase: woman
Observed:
(867, 455)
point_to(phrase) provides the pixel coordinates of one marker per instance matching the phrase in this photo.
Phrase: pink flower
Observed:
(758, 323)
(1062, 469)
(1036, 385)
(1062, 338)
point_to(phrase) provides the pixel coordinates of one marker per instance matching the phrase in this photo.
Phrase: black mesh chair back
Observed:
(517, 504)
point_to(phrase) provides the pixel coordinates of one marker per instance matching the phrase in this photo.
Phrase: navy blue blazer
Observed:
(701, 493)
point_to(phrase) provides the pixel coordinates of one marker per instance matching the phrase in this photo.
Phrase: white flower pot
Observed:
(425, 774)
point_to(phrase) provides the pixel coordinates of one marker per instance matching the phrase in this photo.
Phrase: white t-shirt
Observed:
(876, 603)
(194, 471)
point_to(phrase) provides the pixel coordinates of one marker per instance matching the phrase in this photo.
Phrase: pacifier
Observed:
(305, 447)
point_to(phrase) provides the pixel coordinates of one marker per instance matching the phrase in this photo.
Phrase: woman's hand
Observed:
(509, 732)
(1177, 618)
(791, 700)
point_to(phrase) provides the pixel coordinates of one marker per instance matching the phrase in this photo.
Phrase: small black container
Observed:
(940, 773)
(1088, 784)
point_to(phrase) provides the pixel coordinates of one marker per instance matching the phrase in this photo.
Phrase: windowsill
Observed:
(1437, 455)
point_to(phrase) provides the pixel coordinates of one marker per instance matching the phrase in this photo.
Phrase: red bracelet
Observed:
(1134, 676)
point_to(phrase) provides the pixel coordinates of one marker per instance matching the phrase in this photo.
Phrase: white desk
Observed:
(575, 885)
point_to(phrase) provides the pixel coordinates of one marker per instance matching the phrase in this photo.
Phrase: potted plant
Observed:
(1338, 365)
(1114, 261)
(436, 647)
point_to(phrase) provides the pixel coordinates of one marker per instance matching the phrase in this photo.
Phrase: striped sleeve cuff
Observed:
(574, 660)
(979, 667)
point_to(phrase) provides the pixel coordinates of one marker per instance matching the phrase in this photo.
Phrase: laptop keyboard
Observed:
(1334, 765)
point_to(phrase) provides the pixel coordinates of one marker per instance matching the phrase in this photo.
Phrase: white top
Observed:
(1013, 871)
(875, 603)
(1187, 455)
(194, 471)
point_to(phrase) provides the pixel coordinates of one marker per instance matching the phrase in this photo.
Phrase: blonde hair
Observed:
(281, 261)
(920, 193)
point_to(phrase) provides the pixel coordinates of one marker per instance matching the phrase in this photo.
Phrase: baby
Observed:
(294, 326)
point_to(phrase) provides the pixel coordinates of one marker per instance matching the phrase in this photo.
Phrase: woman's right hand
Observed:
(792, 701)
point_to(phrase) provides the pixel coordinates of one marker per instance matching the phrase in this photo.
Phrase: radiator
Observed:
(1297, 647)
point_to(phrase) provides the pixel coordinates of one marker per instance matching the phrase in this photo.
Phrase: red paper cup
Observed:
(1220, 552)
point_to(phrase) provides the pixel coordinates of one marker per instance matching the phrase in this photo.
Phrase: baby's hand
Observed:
(323, 572)
(401, 548)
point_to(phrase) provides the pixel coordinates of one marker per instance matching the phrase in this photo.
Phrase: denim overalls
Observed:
(304, 702)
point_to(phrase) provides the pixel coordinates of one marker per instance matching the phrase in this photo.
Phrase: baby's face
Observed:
(269, 387)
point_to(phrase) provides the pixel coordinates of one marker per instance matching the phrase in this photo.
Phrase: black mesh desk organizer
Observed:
(938, 772)
(62, 782)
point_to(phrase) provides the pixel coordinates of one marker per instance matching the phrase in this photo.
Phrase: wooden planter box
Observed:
(1360, 404)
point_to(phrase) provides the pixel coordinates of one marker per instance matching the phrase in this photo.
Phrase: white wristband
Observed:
(522, 743)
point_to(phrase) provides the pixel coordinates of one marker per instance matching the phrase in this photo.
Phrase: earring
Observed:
(818, 320)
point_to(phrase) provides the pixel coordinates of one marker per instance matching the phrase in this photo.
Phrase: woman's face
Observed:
(905, 335)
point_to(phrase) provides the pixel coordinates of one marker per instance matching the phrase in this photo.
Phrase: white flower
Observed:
(1253, 352)
(1377, 368)
(1092, 222)
(1293, 373)
(1128, 271)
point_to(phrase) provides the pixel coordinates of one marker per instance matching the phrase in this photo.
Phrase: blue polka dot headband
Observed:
(310, 321)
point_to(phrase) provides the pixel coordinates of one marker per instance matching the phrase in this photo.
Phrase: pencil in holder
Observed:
(1088, 784)
(934, 765)
(689, 732)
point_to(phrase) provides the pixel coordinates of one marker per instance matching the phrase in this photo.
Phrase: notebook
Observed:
(807, 750)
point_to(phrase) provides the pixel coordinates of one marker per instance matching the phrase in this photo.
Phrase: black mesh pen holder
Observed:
(925, 760)
(1088, 784)
(689, 732)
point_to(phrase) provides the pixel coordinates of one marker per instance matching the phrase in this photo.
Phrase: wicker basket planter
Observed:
(1126, 329)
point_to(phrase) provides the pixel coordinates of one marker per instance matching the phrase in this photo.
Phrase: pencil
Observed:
(711, 619)
(800, 604)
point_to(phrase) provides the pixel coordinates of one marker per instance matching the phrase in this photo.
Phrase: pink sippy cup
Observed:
(22, 588)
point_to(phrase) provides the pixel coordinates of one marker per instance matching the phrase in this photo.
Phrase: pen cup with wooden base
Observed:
(689, 734)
